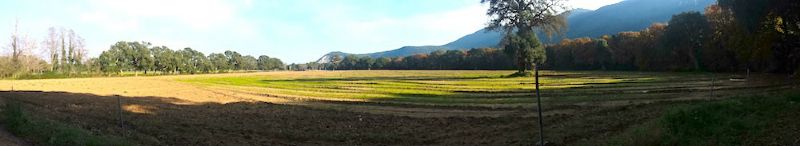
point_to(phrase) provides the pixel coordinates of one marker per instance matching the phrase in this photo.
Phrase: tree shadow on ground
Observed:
(172, 121)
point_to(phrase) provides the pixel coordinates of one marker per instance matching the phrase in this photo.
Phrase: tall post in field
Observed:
(539, 105)
(713, 77)
(520, 39)
(119, 111)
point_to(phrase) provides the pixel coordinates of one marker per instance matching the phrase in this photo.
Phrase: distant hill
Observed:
(628, 15)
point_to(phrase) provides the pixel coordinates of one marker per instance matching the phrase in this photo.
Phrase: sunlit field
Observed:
(468, 88)
(373, 107)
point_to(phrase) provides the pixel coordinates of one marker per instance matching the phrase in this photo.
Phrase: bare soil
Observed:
(161, 111)
(8, 139)
(159, 121)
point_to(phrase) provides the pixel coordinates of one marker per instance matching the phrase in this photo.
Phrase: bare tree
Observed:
(76, 51)
(21, 47)
(51, 47)
(65, 49)
(80, 50)
(63, 64)
(15, 44)
(71, 50)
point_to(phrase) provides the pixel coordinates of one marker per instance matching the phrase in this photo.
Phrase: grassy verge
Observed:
(736, 121)
(46, 132)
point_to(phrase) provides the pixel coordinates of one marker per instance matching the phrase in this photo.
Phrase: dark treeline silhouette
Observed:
(473, 59)
(725, 38)
(715, 40)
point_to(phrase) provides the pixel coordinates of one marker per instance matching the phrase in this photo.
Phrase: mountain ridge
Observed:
(627, 15)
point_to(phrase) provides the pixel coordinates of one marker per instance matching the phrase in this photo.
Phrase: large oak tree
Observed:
(519, 19)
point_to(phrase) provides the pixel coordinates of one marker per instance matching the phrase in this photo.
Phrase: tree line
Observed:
(143, 56)
(724, 38)
(62, 52)
(62, 47)
(719, 39)
(473, 59)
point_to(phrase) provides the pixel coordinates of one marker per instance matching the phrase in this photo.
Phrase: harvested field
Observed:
(370, 107)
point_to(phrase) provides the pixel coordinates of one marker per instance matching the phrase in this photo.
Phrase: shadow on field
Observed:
(170, 121)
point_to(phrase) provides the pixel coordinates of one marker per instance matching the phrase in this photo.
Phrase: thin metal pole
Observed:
(539, 106)
(713, 77)
(119, 110)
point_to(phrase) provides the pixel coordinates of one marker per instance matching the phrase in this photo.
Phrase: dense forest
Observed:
(731, 36)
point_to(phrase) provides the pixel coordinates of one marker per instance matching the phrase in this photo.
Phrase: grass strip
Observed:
(735, 121)
(52, 133)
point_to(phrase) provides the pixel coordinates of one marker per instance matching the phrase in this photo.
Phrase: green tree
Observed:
(453, 59)
(685, 36)
(263, 62)
(93, 65)
(276, 64)
(143, 60)
(719, 51)
(114, 59)
(771, 33)
(365, 63)
(219, 62)
(526, 49)
(525, 16)
(603, 53)
(335, 61)
(234, 59)
(249, 63)
(192, 61)
(382, 63)
(349, 62)
(162, 59)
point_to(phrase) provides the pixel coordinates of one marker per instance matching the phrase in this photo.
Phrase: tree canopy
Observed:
(524, 16)
(141, 56)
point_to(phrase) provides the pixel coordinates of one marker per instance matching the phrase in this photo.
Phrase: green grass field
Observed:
(463, 87)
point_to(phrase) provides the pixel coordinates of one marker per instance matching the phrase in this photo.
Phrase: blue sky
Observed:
(296, 31)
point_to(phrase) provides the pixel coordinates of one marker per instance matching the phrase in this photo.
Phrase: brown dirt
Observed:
(161, 111)
(159, 121)
(8, 139)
